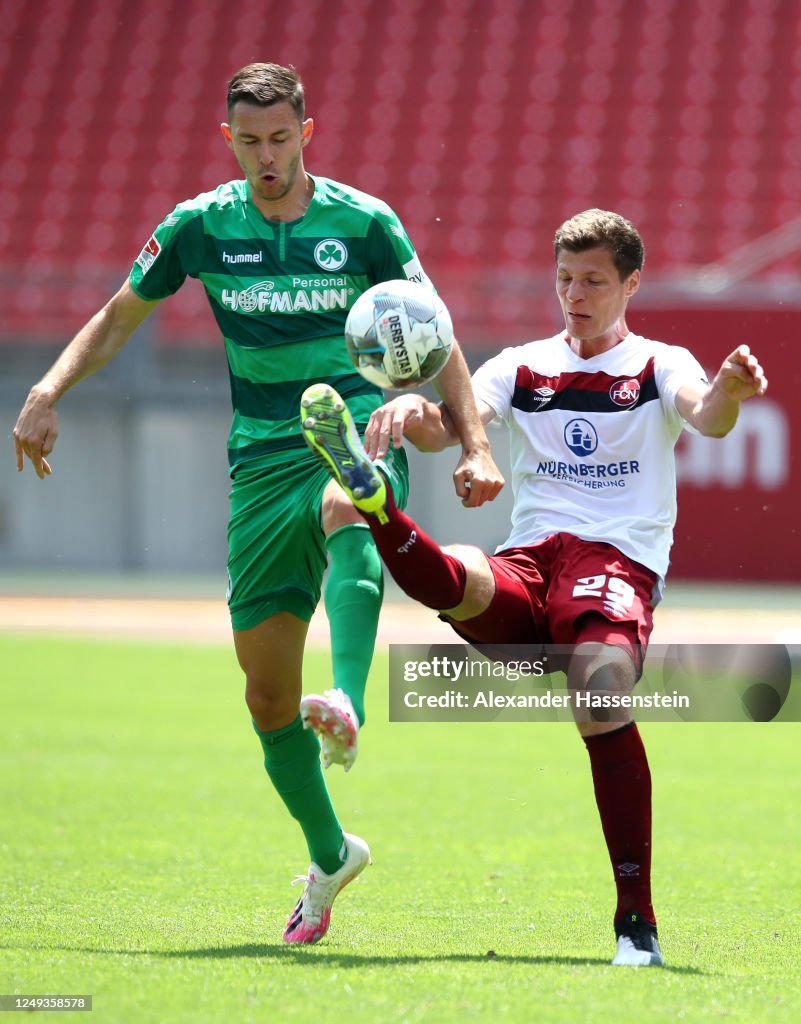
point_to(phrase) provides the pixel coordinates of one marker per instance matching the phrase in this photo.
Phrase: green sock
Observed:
(353, 593)
(292, 760)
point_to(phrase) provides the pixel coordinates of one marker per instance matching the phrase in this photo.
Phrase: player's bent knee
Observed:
(604, 673)
(336, 509)
(601, 667)
(479, 583)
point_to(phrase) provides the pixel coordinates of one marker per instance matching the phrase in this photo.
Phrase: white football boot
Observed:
(637, 943)
(331, 715)
(311, 918)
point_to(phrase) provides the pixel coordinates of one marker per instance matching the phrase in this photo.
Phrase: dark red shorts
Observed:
(564, 590)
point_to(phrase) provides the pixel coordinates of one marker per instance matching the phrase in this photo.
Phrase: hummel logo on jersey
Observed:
(242, 257)
(330, 254)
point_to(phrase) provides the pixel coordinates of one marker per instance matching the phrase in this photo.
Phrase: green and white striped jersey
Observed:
(280, 292)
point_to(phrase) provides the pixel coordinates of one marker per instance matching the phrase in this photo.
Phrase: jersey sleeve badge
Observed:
(147, 257)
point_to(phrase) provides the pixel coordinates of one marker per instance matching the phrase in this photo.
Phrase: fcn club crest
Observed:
(625, 393)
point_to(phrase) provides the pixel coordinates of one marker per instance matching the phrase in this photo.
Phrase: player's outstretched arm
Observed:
(411, 415)
(101, 338)
(431, 428)
(713, 411)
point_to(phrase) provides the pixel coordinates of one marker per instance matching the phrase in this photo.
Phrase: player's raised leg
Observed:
(354, 587)
(456, 580)
(353, 592)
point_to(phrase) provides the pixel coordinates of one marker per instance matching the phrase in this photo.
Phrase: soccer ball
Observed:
(399, 334)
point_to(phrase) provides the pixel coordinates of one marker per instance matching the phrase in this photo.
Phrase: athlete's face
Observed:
(592, 296)
(268, 143)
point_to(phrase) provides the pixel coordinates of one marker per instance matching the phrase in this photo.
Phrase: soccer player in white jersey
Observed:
(593, 415)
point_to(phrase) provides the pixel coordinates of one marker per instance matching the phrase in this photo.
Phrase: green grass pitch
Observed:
(144, 859)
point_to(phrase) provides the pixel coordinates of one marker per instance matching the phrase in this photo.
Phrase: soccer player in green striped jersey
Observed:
(282, 256)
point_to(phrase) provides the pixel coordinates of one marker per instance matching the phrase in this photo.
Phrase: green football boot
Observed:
(330, 432)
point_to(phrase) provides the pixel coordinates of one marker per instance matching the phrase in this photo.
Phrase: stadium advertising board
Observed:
(738, 497)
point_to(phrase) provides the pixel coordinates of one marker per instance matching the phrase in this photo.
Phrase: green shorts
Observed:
(276, 546)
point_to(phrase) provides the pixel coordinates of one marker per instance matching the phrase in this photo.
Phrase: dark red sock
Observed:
(622, 782)
(417, 563)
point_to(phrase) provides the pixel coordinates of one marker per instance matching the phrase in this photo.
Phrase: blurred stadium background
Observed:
(484, 124)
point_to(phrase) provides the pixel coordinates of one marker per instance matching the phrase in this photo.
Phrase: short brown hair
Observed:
(265, 84)
(603, 228)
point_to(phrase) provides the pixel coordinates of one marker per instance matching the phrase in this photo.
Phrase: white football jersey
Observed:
(592, 441)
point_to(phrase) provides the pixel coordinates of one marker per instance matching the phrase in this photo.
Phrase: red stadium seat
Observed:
(482, 124)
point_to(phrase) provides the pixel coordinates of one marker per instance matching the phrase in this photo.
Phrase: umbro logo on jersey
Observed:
(625, 392)
(330, 254)
(541, 397)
